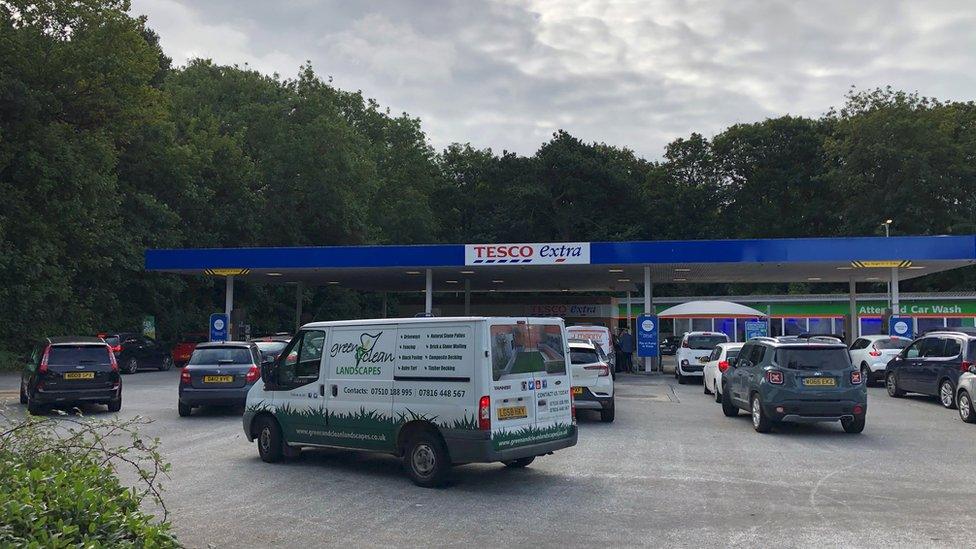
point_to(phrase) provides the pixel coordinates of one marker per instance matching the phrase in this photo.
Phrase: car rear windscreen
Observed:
(705, 342)
(812, 358)
(731, 353)
(221, 355)
(894, 343)
(583, 356)
(112, 340)
(71, 355)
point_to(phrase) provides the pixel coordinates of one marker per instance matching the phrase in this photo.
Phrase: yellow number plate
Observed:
(79, 375)
(577, 390)
(512, 412)
(218, 379)
(819, 381)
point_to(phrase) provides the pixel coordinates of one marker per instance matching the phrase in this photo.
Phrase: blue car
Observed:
(792, 380)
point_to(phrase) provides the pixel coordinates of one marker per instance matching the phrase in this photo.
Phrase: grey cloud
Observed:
(506, 74)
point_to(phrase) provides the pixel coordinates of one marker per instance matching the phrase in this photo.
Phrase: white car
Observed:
(872, 353)
(693, 353)
(717, 364)
(592, 382)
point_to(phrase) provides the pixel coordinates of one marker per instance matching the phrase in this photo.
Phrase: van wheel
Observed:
(184, 409)
(115, 405)
(426, 460)
(728, 408)
(269, 440)
(606, 414)
(760, 421)
(131, 366)
(519, 463)
(966, 411)
(891, 384)
(853, 425)
(947, 394)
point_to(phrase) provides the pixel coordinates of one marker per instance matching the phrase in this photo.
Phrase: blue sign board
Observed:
(900, 326)
(755, 328)
(647, 330)
(218, 327)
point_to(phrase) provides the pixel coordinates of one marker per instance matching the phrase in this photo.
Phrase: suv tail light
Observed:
(604, 369)
(252, 374)
(723, 365)
(775, 377)
(112, 361)
(484, 413)
(964, 367)
(856, 377)
(42, 369)
(185, 375)
(874, 350)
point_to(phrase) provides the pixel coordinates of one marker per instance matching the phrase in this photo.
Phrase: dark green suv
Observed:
(790, 380)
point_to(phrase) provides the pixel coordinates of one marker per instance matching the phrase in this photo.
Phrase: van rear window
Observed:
(812, 358)
(72, 355)
(526, 348)
(705, 342)
(893, 343)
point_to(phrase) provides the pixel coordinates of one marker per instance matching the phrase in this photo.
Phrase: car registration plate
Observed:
(79, 375)
(512, 412)
(577, 391)
(819, 381)
(218, 379)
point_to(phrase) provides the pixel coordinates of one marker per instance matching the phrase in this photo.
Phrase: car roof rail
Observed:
(764, 338)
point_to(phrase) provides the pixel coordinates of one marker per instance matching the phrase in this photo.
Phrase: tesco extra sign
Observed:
(559, 253)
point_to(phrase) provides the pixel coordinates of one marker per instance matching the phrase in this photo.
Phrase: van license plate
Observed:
(218, 379)
(577, 391)
(512, 412)
(79, 375)
(819, 381)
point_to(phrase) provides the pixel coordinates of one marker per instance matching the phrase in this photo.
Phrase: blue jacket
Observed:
(626, 343)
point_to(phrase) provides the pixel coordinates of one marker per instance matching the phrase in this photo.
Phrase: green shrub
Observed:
(58, 484)
(10, 361)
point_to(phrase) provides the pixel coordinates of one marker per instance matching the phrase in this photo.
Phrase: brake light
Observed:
(484, 413)
(252, 375)
(42, 369)
(112, 361)
(116, 348)
(604, 369)
(856, 377)
(185, 375)
(775, 377)
(723, 365)
(964, 367)
(874, 351)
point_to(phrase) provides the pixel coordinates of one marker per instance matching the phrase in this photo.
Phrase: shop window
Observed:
(954, 323)
(870, 326)
(794, 326)
(840, 327)
(776, 327)
(740, 327)
(820, 326)
(682, 326)
(726, 326)
(927, 324)
(701, 325)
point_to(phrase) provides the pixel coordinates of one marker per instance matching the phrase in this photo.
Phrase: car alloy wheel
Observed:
(132, 366)
(965, 407)
(946, 394)
(892, 385)
(756, 413)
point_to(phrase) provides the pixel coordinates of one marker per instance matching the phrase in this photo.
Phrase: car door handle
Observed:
(335, 390)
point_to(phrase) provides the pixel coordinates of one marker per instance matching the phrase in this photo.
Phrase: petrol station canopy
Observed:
(578, 266)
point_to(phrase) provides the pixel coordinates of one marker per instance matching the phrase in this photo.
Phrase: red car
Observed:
(183, 349)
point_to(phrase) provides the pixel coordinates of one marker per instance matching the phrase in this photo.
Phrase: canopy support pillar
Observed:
(229, 305)
(649, 363)
(467, 297)
(855, 327)
(429, 293)
(299, 301)
(895, 306)
(385, 305)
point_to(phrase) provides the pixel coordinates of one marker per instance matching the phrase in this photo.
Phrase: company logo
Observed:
(647, 325)
(365, 354)
(527, 254)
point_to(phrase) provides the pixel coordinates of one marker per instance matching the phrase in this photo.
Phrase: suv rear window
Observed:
(72, 355)
(893, 343)
(579, 355)
(812, 358)
(703, 342)
(221, 355)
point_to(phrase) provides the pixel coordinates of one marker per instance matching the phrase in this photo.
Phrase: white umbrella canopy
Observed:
(725, 309)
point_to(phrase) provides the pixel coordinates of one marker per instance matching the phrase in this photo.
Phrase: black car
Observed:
(68, 370)
(931, 365)
(134, 351)
(669, 345)
(219, 374)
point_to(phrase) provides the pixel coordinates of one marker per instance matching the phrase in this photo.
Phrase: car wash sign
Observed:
(556, 253)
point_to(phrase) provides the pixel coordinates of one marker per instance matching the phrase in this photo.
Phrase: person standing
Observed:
(626, 342)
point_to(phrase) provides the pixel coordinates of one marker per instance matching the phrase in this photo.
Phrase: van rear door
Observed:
(553, 405)
(513, 382)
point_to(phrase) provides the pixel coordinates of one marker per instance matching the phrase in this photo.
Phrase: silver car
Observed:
(965, 395)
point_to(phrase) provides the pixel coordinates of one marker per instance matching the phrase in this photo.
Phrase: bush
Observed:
(10, 361)
(59, 485)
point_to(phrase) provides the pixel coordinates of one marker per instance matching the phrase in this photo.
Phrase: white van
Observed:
(693, 353)
(435, 391)
(599, 335)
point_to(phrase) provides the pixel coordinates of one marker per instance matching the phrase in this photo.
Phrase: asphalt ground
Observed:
(670, 471)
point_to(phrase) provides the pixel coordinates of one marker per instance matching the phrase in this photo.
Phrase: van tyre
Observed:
(519, 463)
(269, 439)
(426, 460)
(606, 414)
(184, 409)
(728, 408)
(131, 366)
(891, 384)
(966, 411)
(853, 425)
(760, 421)
(947, 394)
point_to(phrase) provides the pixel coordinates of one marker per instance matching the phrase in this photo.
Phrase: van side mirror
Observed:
(267, 373)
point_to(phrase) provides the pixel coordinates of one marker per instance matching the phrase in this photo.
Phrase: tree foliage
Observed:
(107, 150)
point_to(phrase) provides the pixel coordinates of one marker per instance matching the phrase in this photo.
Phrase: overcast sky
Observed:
(506, 74)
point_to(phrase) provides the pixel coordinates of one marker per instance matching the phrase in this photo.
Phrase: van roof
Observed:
(423, 320)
